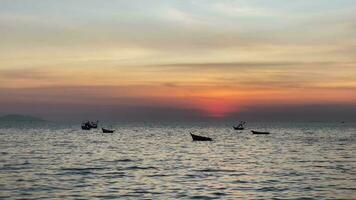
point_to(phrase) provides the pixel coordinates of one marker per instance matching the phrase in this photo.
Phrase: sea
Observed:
(314, 160)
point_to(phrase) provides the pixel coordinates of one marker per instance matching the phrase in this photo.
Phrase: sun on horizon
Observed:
(173, 60)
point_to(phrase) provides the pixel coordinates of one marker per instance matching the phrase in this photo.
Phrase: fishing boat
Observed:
(260, 132)
(238, 128)
(85, 126)
(107, 130)
(89, 125)
(93, 124)
(200, 138)
(241, 126)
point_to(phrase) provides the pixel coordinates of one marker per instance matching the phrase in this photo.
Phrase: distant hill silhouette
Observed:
(20, 118)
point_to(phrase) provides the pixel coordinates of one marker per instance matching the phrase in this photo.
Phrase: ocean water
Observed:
(160, 161)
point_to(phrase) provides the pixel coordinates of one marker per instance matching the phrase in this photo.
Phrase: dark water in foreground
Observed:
(312, 160)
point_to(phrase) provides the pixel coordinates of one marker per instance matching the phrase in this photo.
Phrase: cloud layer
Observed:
(201, 58)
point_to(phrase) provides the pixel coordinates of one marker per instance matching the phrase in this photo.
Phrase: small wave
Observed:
(215, 170)
(83, 169)
(240, 181)
(139, 168)
(347, 188)
(238, 174)
(114, 174)
(195, 175)
(80, 171)
(82, 185)
(14, 167)
(141, 191)
(120, 160)
(308, 188)
(202, 197)
(272, 189)
(158, 175)
(219, 193)
(106, 196)
(99, 142)
(271, 181)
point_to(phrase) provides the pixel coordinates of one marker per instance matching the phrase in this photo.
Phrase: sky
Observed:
(178, 60)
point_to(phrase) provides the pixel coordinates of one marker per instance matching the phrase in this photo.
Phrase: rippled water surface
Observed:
(301, 160)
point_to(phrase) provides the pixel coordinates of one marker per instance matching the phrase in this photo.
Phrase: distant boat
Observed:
(238, 128)
(260, 132)
(85, 126)
(89, 125)
(241, 126)
(107, 130)
(94, 124)
(200, 138)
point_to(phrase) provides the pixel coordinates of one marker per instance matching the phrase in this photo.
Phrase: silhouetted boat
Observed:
(260, 132)
(94, 124)
(107, 130)
(238, 128)
(200, 138)
(241, 126)
(85, 126)
(89, 125)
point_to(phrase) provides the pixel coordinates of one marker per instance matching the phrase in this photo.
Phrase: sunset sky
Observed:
(173, 60)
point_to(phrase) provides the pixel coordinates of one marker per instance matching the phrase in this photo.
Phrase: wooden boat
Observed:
(107, 130)
(200, 138)
(241, 126)
(85, 127)
(238, 128)
(260, 132)
(93, 124)
(89, 125)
